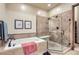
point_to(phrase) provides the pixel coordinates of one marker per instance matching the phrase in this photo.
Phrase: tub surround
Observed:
(23, 35)
(18, 50)
(47, 36)
(28, 35)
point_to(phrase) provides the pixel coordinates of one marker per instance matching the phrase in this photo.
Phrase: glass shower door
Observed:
(59, 34)
(56, 32)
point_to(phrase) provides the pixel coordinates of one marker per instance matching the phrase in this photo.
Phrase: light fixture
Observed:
(59, 10)
(38, 12)
(23, 7)
(49, 5)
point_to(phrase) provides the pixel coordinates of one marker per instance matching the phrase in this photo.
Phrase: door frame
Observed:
(73, 24)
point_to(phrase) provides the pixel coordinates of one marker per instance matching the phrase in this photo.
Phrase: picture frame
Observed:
(18, 24)
(28, 24)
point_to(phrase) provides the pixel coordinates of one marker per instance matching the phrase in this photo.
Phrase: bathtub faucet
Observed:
(11, 41)
(9, 45)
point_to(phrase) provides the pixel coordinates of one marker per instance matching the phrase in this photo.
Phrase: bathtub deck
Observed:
(70, 52)
(41, 48)
(1, 48)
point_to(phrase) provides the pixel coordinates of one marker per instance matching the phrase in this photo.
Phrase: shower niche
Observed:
(60, 30)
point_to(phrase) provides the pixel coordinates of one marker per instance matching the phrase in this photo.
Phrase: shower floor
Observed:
(55, 47)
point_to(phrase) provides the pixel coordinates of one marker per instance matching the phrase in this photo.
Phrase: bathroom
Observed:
(48, 25)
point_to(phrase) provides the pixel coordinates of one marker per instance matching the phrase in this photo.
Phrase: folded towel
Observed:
(29, 48)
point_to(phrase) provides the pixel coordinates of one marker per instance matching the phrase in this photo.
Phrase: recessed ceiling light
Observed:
(39, 12)
(49, 5)
(23, 7)
(58, 9)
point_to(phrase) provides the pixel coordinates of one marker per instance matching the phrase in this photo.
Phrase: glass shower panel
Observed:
(59, 29)
(66, 23)
(55, 29)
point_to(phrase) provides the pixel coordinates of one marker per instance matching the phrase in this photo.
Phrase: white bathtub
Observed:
(18, 50)
(18, 42)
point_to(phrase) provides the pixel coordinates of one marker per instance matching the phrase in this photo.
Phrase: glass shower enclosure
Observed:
(59, 31)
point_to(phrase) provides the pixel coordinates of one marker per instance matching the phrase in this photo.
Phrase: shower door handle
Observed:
(62, 32)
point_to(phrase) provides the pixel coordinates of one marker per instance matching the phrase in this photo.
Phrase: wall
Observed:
(2, 11)
(26, 8)
(77, 19)
(60, 9)
(12, 15)
(42, 26)
(22, 12)
(66, 12)
(2, 16)
(76, 13)
(10, 12)
(64, 31)
(17, 11)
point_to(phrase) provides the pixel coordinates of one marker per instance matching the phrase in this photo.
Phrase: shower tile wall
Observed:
(23, 35)
(55, 33)
(62, 21)
(66, 26)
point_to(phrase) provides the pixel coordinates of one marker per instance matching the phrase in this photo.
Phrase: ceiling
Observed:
(44, 6)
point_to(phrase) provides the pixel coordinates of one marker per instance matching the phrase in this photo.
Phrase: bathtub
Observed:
(18, 50)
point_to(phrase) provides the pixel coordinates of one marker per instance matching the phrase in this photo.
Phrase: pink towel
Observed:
(29, 48)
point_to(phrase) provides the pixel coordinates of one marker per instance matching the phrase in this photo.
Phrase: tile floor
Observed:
(70, 52)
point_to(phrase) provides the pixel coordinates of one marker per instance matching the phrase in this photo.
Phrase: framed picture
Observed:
(18, 24)
(28, 24)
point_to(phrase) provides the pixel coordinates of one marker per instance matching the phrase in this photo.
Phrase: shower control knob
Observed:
(62, 32)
